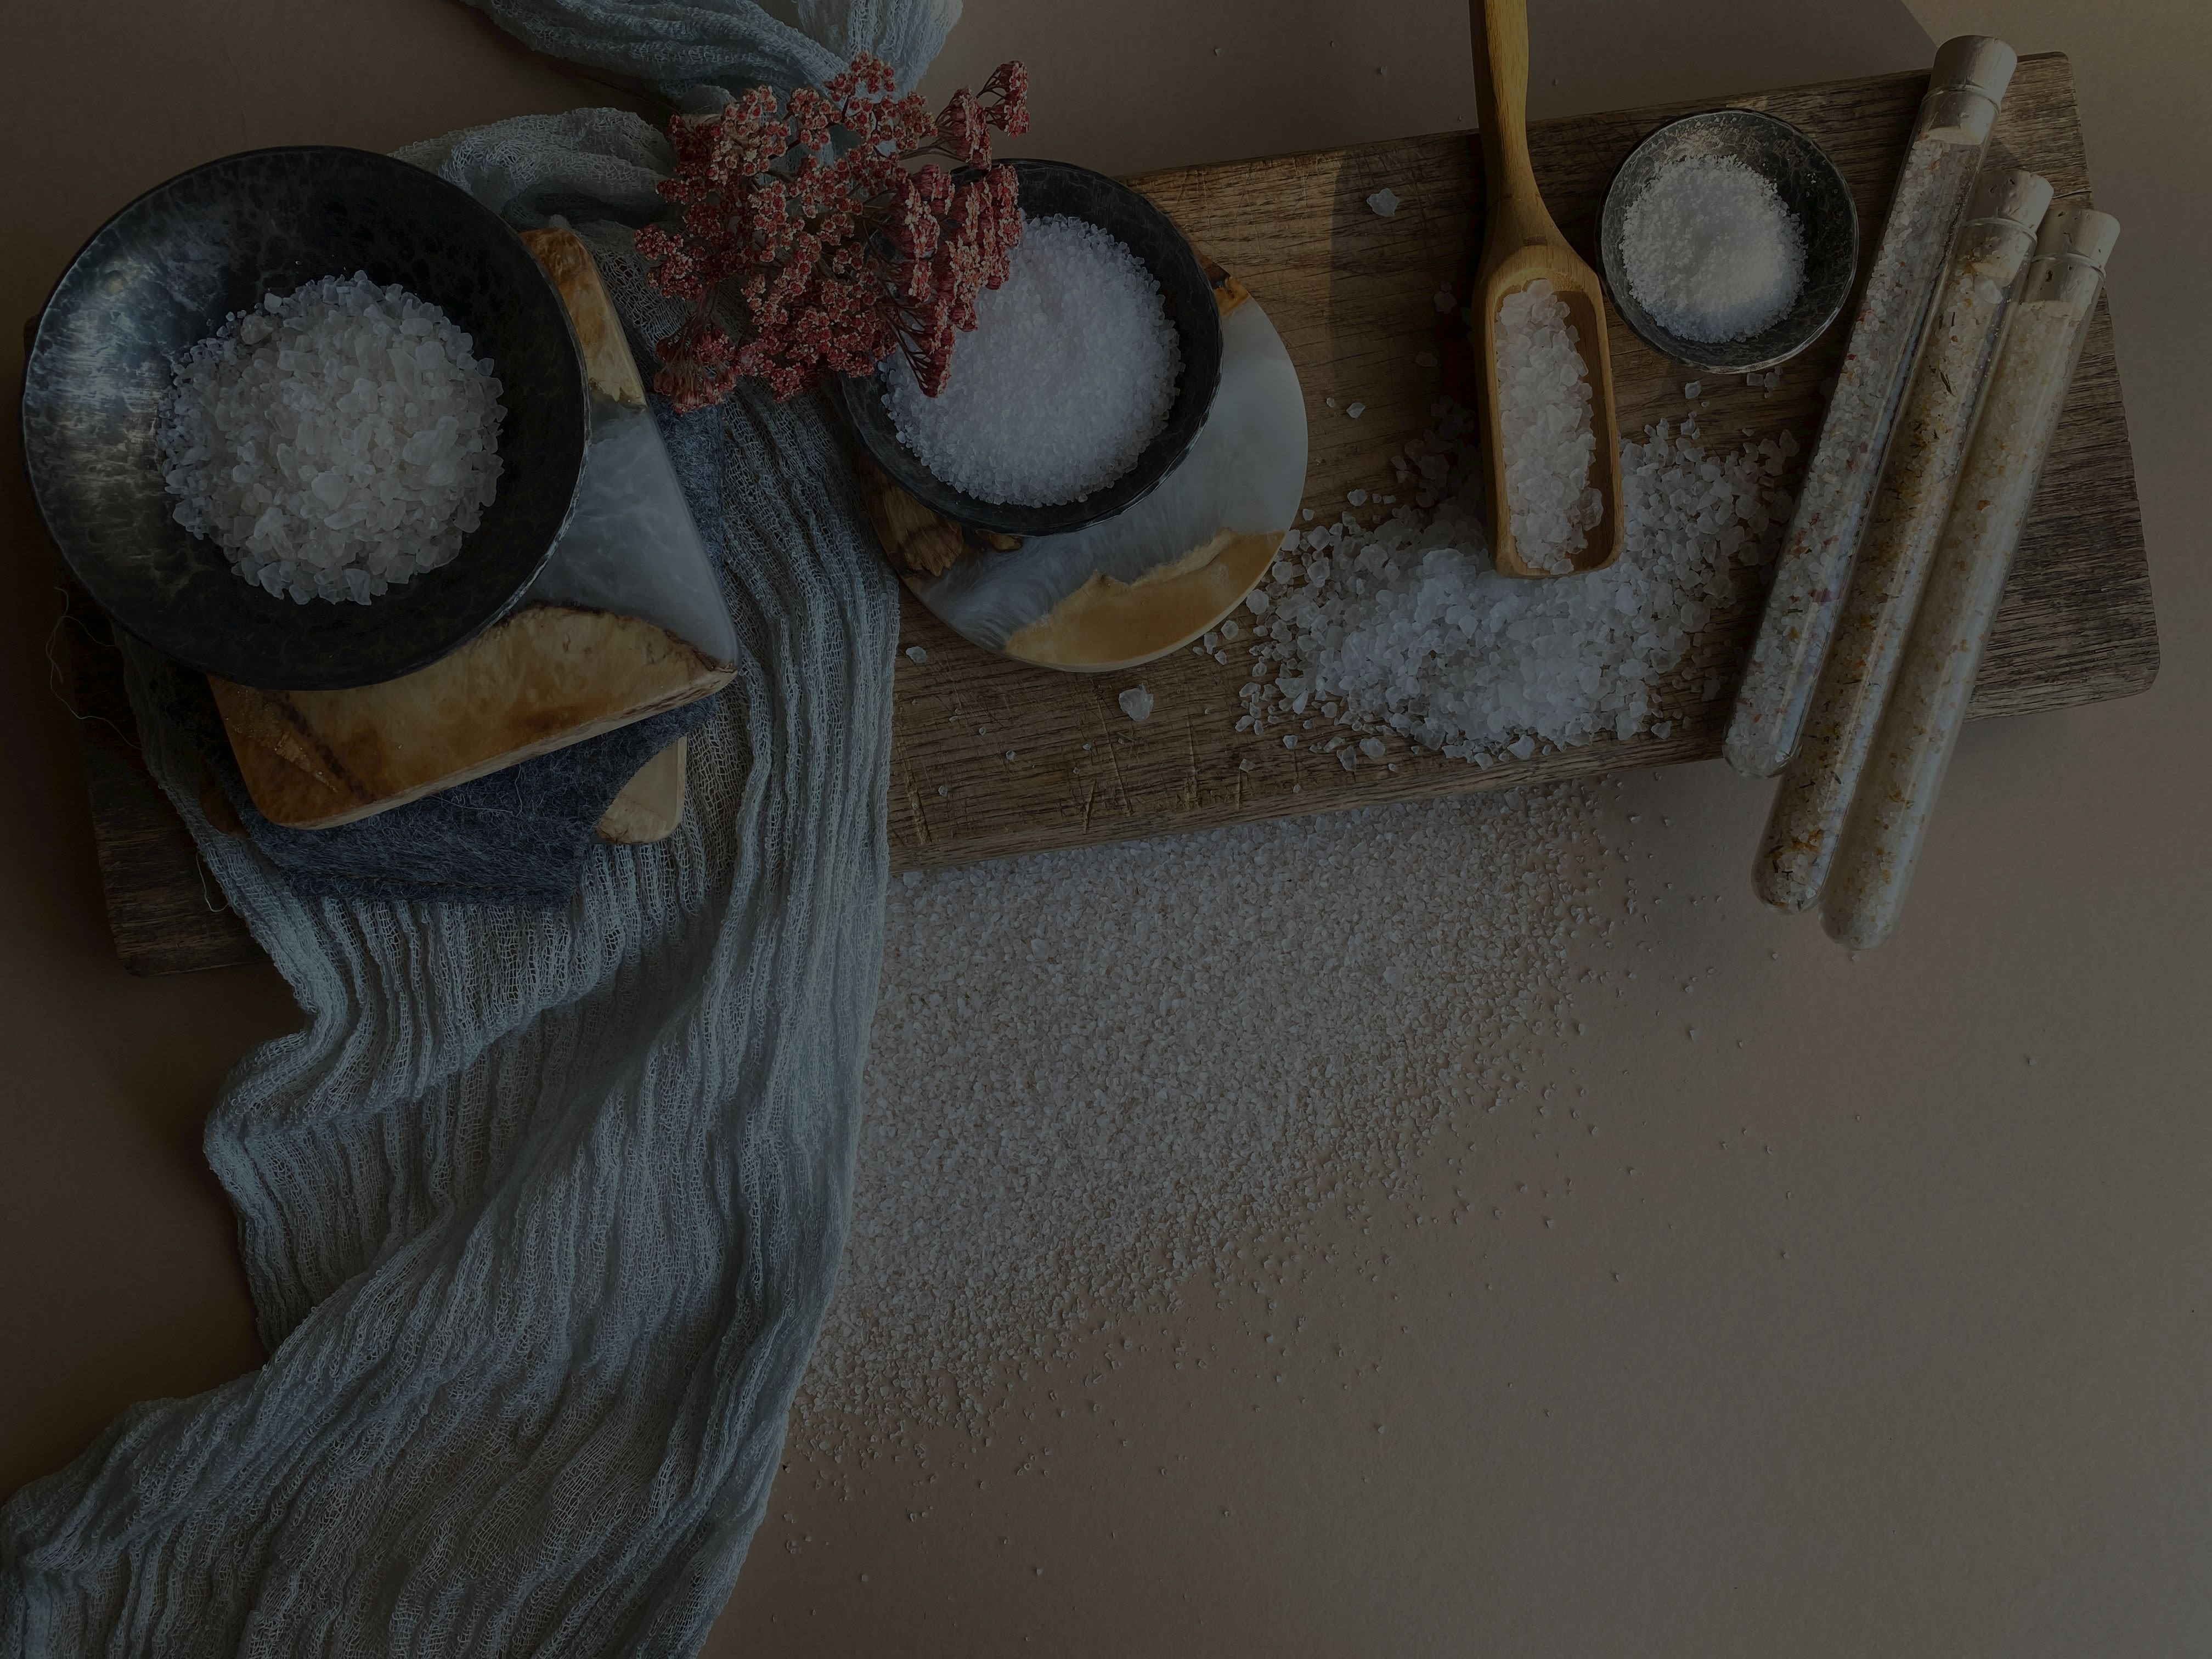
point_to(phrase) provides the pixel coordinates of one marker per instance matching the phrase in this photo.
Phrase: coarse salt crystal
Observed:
(1384, 202)
(1544, 402)
(1136, 702)
(334, 442)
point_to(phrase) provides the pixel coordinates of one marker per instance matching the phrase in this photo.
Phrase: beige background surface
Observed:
(1910, 1352)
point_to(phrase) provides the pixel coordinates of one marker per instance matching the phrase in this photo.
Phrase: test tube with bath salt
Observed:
(1909, 509)
(1968, 82)
(2042, 344)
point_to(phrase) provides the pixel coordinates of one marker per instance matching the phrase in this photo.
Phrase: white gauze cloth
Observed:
(541, 1210)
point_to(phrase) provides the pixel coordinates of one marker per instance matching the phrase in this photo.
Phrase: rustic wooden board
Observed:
(165, 912)
(1351, 295)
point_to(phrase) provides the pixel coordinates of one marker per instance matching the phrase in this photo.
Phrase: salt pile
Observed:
(1401, 630)
(334, 442)
(1067, 1125)
(1068, 374)
(1544, 411)
(1711, 252)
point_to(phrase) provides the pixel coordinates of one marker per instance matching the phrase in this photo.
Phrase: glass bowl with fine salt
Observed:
(1728, 241)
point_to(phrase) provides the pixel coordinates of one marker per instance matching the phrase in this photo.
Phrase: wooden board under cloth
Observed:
(1352, 294)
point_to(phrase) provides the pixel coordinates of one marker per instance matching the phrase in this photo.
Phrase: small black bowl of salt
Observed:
(1084, 382)
(1729, 241)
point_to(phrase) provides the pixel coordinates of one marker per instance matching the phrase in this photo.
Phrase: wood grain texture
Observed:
(165, 912)
(1352, 296)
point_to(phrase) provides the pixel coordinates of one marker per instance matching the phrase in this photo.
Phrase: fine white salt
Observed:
(1711, 252)
(334, 442)
(1067, 1129)
(1067, 375)
(1544, 400)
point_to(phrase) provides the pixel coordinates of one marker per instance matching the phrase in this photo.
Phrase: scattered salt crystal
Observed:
(1136, 702)
(1038, 409)
(916, 653)
(1357, 497)
(1355, 411)
(1711, 251)
(334, 442)
(1544, 399)
(1425, 641)
(1384, 202)
(1694, 390)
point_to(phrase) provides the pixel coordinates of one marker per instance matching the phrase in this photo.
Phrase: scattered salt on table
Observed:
(1136, 702)
(1068, 374)
(334, 442)
(1384, 202)
(1711, 251)
(1404, 629)
(916, 653)
(1544, 398)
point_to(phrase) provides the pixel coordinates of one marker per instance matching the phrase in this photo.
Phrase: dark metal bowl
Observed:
(161, 275)
(1809, 186)
(1058, 187)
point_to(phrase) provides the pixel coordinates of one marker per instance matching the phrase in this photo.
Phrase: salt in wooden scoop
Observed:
(1522, 246)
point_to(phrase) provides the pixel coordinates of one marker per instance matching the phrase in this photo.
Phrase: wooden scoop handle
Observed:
(1500, 31)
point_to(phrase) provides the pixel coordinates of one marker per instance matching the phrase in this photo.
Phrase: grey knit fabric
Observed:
(542, 1207)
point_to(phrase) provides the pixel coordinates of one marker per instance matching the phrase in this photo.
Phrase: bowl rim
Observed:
(1015, 519)
(241, 672)
(1640, 322)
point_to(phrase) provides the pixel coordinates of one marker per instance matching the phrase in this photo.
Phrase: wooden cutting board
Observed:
(1352, 293)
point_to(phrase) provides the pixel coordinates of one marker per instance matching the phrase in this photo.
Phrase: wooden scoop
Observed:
(1520, 245)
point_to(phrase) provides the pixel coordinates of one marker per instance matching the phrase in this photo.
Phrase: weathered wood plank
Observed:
(1351, 294)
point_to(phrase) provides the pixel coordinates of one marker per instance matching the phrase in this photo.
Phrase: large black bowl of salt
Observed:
(192, 255)
(1112, 346)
